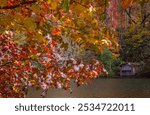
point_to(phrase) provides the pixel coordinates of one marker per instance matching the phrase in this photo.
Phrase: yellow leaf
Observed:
(54, 5)
(36, 9)
(78, 8)
(95, 22)
(30, 24)
(49, 1)
(40, 37)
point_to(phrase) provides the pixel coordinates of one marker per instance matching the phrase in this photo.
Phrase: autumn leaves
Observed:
(38, 27)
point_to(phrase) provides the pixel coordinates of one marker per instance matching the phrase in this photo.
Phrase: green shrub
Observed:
(111, 64)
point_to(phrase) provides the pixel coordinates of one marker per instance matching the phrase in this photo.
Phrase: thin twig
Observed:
(130, 16)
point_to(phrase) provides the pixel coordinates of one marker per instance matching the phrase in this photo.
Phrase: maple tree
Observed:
(34, 35)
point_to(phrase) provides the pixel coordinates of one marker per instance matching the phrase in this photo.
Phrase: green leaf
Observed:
(66, 5)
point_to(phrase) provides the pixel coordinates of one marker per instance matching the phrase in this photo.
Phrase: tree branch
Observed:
(130, 16)
(5, 64)
(145, 19)
(18, 5)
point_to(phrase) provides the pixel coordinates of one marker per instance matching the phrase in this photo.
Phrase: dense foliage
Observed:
(135, 42)
(43, 42)
(34, 35)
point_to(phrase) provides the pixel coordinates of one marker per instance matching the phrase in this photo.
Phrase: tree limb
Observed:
(145, 19)
(5, 64)
(18, 5)
(130, 16)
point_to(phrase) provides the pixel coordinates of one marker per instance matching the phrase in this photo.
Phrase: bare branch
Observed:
(145, 19)
(130, 16)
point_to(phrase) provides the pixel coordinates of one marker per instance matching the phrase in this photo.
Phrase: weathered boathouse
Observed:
(129, 69)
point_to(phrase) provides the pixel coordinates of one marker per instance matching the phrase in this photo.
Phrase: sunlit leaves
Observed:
(35, 36)
(40, 65)
(29, 24)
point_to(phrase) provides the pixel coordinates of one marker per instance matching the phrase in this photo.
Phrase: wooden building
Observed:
(129, 69)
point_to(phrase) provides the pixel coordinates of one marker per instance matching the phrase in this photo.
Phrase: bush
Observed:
(111, 64)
